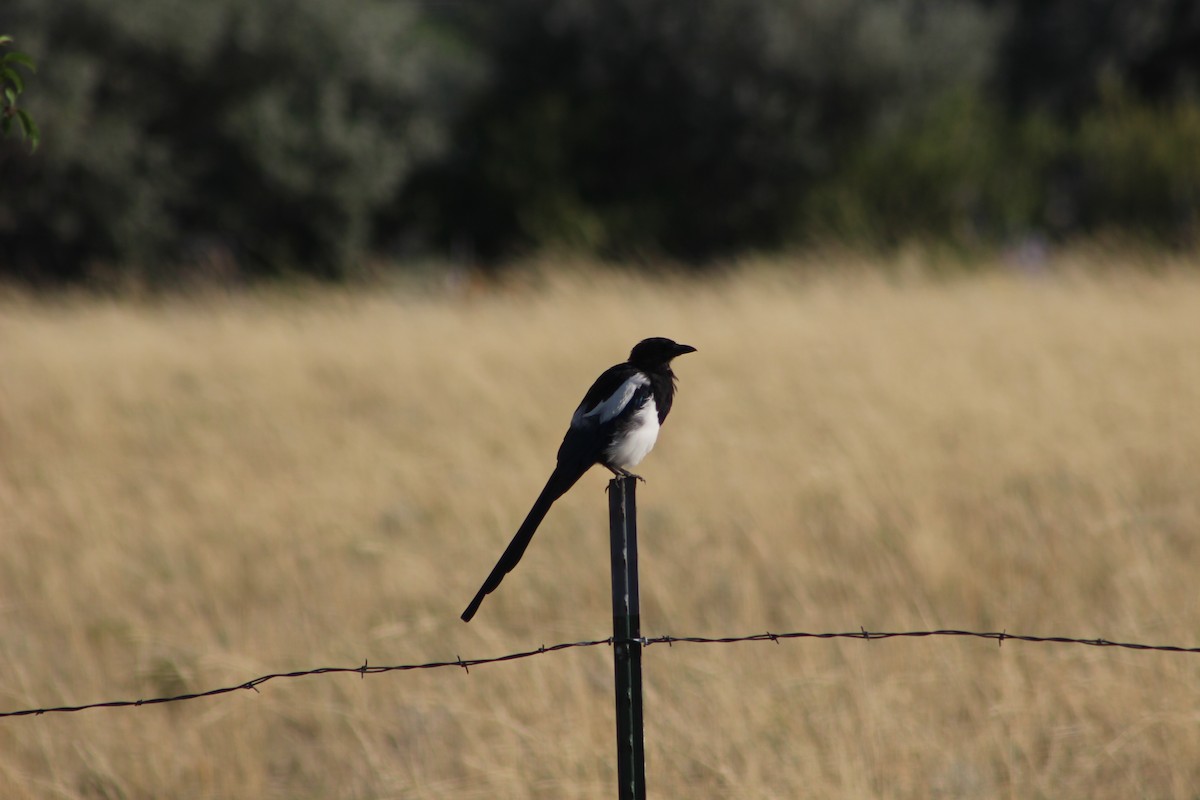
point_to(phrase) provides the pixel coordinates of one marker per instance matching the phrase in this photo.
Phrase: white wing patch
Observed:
(615, 403)
(637, 440)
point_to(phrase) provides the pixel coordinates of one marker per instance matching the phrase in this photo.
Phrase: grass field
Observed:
(194, 492)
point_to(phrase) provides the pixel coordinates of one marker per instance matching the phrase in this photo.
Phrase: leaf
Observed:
(5, 40)
(22, 59)
(11, 96)
(5, 124)
(30, 128)
(11, 75)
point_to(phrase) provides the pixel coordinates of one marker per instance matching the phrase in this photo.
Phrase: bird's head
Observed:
(657, 351)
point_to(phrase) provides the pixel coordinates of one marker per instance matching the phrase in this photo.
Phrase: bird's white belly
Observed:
(630, 449)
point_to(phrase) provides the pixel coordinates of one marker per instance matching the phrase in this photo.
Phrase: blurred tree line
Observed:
(318, 135)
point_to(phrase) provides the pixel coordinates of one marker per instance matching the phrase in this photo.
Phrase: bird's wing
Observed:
(611, 395)
(613, 399)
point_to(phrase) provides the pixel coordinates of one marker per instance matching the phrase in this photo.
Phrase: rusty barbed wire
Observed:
(465, 664)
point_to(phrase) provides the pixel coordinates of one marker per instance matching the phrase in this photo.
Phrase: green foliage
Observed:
(265, 133)
(1057, 55)
(313, 135)
(961, 172)
(12, 85)
(690, 129)
(1143, 164)
(970, 174)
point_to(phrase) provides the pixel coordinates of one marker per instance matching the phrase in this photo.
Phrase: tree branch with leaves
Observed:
(12, 85)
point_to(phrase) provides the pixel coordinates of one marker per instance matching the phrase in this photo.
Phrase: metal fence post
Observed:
(627, 634)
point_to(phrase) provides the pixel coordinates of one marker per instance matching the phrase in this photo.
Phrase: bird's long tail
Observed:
(562, 479)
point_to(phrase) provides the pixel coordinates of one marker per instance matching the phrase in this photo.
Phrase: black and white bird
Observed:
(616, 425)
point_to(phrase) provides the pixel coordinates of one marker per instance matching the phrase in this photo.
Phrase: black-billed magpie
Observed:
(616, 425)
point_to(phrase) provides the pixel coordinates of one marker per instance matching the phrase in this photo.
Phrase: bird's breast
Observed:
(633, 441)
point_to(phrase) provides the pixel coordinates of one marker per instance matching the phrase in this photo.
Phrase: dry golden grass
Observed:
(193, 493)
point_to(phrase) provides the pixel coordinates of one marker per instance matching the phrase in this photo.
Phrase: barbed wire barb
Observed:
(365, 669)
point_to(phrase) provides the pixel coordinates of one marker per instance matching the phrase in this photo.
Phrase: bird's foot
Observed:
(624, 473)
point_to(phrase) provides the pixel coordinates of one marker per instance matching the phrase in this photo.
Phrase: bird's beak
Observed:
(681, 349)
